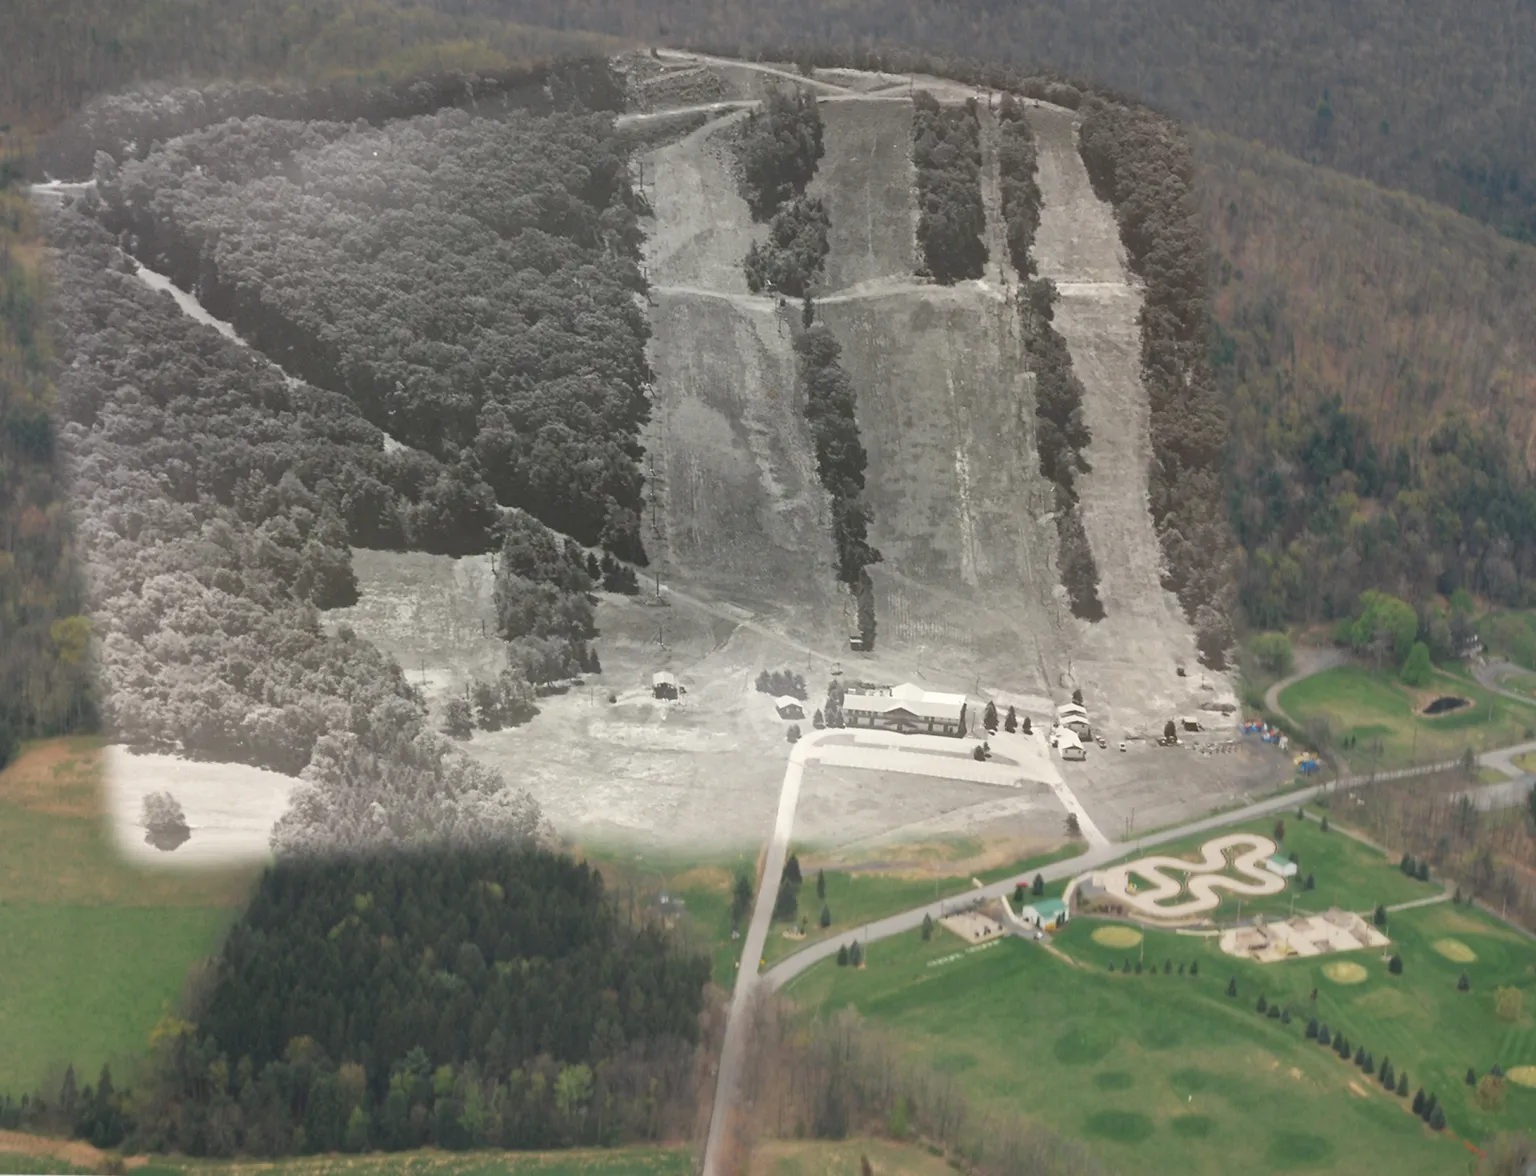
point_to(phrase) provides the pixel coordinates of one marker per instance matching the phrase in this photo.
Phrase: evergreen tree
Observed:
(1437, 1118)
(1011, 723)
(1395, 965)
(856, 954)
(1232, 986)
(1311, 883)
(1471, 1076)
(989, 717)
(1263, 1005)
(792, 870)
(817, 720)
(1028, 726)
(1380, 917)
(1312, 1029)
(1038, 887)
(1194, 967)
(842, 956)
(741, 899)
(787, 904)
(927, 928)
(1464, 983)
(1418, 1102)
(821, 884)
(1077, 698)
(1402, 1084)
(826, 915)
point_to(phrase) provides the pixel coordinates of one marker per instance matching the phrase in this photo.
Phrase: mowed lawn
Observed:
(624, 1161)
(1165, 1073)
(1345, 872)
(1376, 706)
(92, 950)
(782, 1157)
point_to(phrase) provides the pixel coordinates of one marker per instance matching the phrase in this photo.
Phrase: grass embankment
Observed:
(1167, 1073)
(92, 949)
(1376, 708)
(1345, 872)
(626, 1161)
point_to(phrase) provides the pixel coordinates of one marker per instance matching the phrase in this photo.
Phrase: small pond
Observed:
(1446, 703)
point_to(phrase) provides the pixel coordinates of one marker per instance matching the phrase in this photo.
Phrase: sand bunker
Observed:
(1117, 936)
(1522, 1075)
(1455, 949)
(1342, 973)
(1204, 878)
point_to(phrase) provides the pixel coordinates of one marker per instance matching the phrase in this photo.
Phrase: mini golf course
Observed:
(1233, 863)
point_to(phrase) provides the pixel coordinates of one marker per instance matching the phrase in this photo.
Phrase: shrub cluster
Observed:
(791, 259)
(778, 151)
(782, 682)
(946, 151)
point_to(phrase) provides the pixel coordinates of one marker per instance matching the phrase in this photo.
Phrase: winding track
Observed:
(1205, 878)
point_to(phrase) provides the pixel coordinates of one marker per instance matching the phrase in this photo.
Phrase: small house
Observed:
(1046, 914)
(789, 707)
(1281, 865)
(908, 709)
(1070, 710)
(1190, 724)
(663, 685)
(855, 643)
(1070, 745)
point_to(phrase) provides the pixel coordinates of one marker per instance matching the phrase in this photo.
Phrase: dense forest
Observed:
(453, 998)
(778, 150)
(1141, 164)
(946, 153)
(1436, 98)
(467, 283)
(45, 684)
(216, 502)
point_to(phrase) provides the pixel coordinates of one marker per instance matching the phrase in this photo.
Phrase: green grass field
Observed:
(820, 1158)
(1375, 706)
(627, 1161)
(1165, 1073)
(92, 950)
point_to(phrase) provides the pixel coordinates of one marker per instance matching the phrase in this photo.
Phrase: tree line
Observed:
(946, 152)
(212, 499)
(1139, 162)
(840, 463)
(489, 998)
(778, 150)
(1017, 166)
(467, 282)
(45, 682)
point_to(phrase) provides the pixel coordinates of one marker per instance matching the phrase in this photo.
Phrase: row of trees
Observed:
(1017, 165)
(459, 999)
(544, 604)
(946, 152)
(1061, 436)
(840, 463)
(467, 282)
(1140, 162)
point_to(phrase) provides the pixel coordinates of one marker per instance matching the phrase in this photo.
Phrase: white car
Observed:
(1122, 745)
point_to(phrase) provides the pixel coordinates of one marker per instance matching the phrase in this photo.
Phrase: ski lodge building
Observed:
(908, 709)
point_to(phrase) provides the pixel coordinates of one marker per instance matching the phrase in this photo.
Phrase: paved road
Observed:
(1489, 674)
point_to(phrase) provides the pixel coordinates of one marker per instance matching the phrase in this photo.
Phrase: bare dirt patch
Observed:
(702, 228)
(81, 1155)
(1345, 973)
(58, 778)
(1522, 1075)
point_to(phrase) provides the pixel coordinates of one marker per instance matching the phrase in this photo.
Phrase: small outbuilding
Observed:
(1070, 746)
(663, 685)
(1047, 914)
(1281, 865)
(789, 707)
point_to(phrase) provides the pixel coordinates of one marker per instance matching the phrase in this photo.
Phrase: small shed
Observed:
(663, 685)
(1190, 724)
(855, 643)
(1048, 914)
(1281, 865)
(789, 707)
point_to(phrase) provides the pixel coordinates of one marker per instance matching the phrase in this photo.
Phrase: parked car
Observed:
(1122, 745)
(1102, 742)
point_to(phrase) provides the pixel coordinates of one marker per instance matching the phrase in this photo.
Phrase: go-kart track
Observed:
(1240, 853)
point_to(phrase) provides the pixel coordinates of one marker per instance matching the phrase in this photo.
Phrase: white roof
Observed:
(1071, 708)
(662, 678)
(1067, 739)
(786, 700)
(912, 699)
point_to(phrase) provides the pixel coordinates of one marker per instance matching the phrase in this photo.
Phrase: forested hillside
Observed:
(1438, 98)
(457, 999)
(216, 502)
(467, 283)
(63, 52)
(1377, 358)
